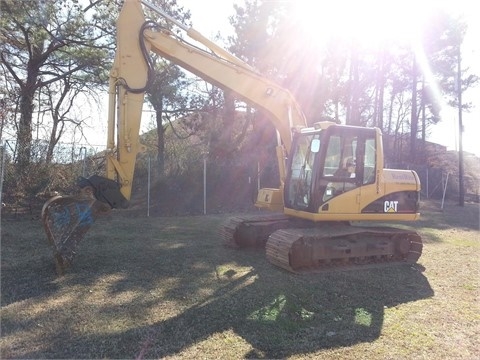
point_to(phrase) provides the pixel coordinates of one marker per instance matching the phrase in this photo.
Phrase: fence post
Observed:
(428, 195)
(258, 176)
(444, 190)
(84, 158)
(2, 149)
(148, 184)
(205, 185)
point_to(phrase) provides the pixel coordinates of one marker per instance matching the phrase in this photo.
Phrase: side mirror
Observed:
(315, 146)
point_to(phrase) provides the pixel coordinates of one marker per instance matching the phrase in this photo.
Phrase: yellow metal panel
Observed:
(270, 199)
(327, 216)
(277, 102)
(130, 69)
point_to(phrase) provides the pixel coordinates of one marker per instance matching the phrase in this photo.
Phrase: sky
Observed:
(210, 17)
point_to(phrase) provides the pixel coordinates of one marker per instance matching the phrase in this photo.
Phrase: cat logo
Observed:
(390, 206)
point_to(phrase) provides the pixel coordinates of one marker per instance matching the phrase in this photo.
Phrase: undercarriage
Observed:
(302, 246)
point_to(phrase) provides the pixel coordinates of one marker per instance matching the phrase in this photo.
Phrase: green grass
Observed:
(168, 288)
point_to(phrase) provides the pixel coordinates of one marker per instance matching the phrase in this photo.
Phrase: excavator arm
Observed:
(131, 71)
(136, 37)
(67, 218)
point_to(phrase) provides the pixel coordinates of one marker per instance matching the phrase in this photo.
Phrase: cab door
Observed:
(301, 171)
(347, 166)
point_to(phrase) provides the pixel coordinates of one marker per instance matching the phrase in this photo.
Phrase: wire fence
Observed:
(441, 183)
(179, 187)
(433, 180)
(24, 189)
(196, 185)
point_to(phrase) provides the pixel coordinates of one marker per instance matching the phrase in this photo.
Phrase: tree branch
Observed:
(11, 71)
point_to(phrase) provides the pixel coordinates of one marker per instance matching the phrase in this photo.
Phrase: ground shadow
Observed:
(350, 311)
(278, 313)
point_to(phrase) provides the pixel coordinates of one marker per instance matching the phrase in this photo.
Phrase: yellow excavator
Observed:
(330, 174)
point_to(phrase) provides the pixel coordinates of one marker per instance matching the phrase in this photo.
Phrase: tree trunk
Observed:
(390, 114)
(160, 143)
(27, 95)
(353, 116)
(424, 122)
(414, 115)
(379, 92)
(222, 144)
(52, 142)
(24, 135)
(228, 119)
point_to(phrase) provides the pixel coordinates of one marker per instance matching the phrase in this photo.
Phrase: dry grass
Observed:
(167, 288)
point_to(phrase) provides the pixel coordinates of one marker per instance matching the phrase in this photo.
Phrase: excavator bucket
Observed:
(66, 220)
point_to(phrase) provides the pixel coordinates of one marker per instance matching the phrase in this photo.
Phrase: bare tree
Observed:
(46, 42)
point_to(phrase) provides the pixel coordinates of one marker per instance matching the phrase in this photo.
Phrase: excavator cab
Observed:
(326, 163)
(337, 173)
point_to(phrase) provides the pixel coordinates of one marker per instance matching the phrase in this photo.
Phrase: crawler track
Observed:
(252, 230)
(310, 249)
(300, 246)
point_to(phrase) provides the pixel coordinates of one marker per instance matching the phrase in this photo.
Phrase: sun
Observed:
(368, 23)
(371, 23)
